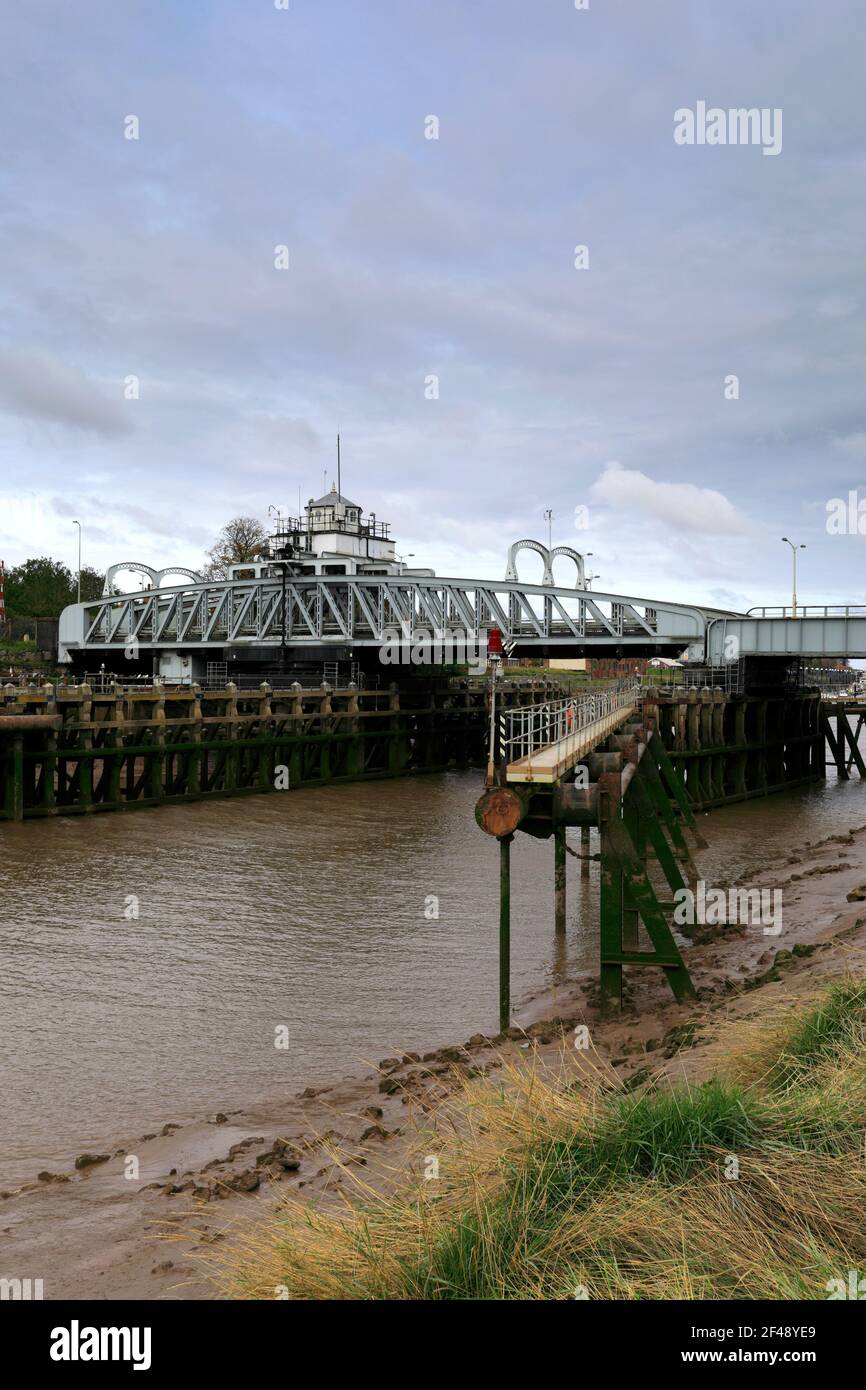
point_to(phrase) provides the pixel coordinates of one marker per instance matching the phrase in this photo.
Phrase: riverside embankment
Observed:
(70, 750)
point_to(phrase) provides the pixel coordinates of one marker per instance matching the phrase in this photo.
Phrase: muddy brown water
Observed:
(149, 959)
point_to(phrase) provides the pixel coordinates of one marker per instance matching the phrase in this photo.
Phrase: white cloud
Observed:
(678, 504)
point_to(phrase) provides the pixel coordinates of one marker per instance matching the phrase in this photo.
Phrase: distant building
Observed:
(604, 667)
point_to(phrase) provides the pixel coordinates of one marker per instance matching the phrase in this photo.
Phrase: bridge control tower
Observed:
(334, 537)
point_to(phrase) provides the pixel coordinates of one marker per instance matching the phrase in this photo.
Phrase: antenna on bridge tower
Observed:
(339, 489)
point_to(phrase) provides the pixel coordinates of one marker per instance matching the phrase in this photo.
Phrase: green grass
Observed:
(662, 1136)
(20, 647)
(665, 1134)
(835, 1025)
(547, 1187)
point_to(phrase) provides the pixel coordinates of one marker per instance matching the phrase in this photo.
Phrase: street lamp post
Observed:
(794, 549)
(548, 516)
(78, 524)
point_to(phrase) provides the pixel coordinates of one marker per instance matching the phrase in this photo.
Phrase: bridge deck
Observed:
(551, 763)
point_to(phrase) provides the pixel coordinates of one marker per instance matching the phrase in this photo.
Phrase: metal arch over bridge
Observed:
(548, 557)
(369, 610)
(155, 576)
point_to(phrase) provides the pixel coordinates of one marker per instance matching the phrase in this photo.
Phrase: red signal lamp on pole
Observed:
(494, 661)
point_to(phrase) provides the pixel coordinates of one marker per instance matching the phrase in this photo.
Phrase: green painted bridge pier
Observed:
(631, 766)
(596, 762)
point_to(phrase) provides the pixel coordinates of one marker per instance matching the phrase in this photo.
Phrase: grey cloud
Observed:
(39, 387)
(452, 257)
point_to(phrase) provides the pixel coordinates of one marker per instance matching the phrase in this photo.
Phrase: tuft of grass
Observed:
(786, 1046)
(836, 1025)
(733, 1189)
(665, 1134)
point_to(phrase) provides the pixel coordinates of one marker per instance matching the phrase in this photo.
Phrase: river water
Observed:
(310, 912)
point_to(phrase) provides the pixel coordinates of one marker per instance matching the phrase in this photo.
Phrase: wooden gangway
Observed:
(543, 743)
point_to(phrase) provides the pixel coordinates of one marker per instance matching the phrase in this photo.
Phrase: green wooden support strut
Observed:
(642, 893)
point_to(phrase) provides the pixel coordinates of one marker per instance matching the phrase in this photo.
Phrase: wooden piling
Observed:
(559, 880)
(120, 749)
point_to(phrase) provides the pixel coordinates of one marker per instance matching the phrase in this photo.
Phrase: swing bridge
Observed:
(341, 616)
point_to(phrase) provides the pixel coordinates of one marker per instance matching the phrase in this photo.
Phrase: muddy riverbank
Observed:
(145, 1229)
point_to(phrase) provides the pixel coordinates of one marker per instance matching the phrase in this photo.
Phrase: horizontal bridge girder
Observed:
(368, 610)
(815, 632)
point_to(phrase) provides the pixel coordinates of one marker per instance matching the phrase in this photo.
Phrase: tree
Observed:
(43, 588)
(92, 584)
(244, 538)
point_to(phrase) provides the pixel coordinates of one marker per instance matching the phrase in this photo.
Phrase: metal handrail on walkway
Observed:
(529, 728)
(811, 610)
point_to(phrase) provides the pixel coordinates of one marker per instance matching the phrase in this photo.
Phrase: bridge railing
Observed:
(529, 728)
(811, 610)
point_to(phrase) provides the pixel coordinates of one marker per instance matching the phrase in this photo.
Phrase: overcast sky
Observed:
(600, 388)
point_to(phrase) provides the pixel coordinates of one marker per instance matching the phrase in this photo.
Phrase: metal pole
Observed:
(505, 932)
(285, 617)
(559, 879)
(491, 756)
(794, 549)
(78, 524)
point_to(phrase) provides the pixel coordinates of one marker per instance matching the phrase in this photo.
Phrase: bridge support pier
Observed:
(728, 747)
(73, 749)
(633, 820)
(636, 800)
(843, 744)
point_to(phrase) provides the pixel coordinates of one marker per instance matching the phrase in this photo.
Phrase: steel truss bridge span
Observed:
(370, 610)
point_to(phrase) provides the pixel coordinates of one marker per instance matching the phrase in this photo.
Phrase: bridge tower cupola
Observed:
(335, 537)
(333, 512)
